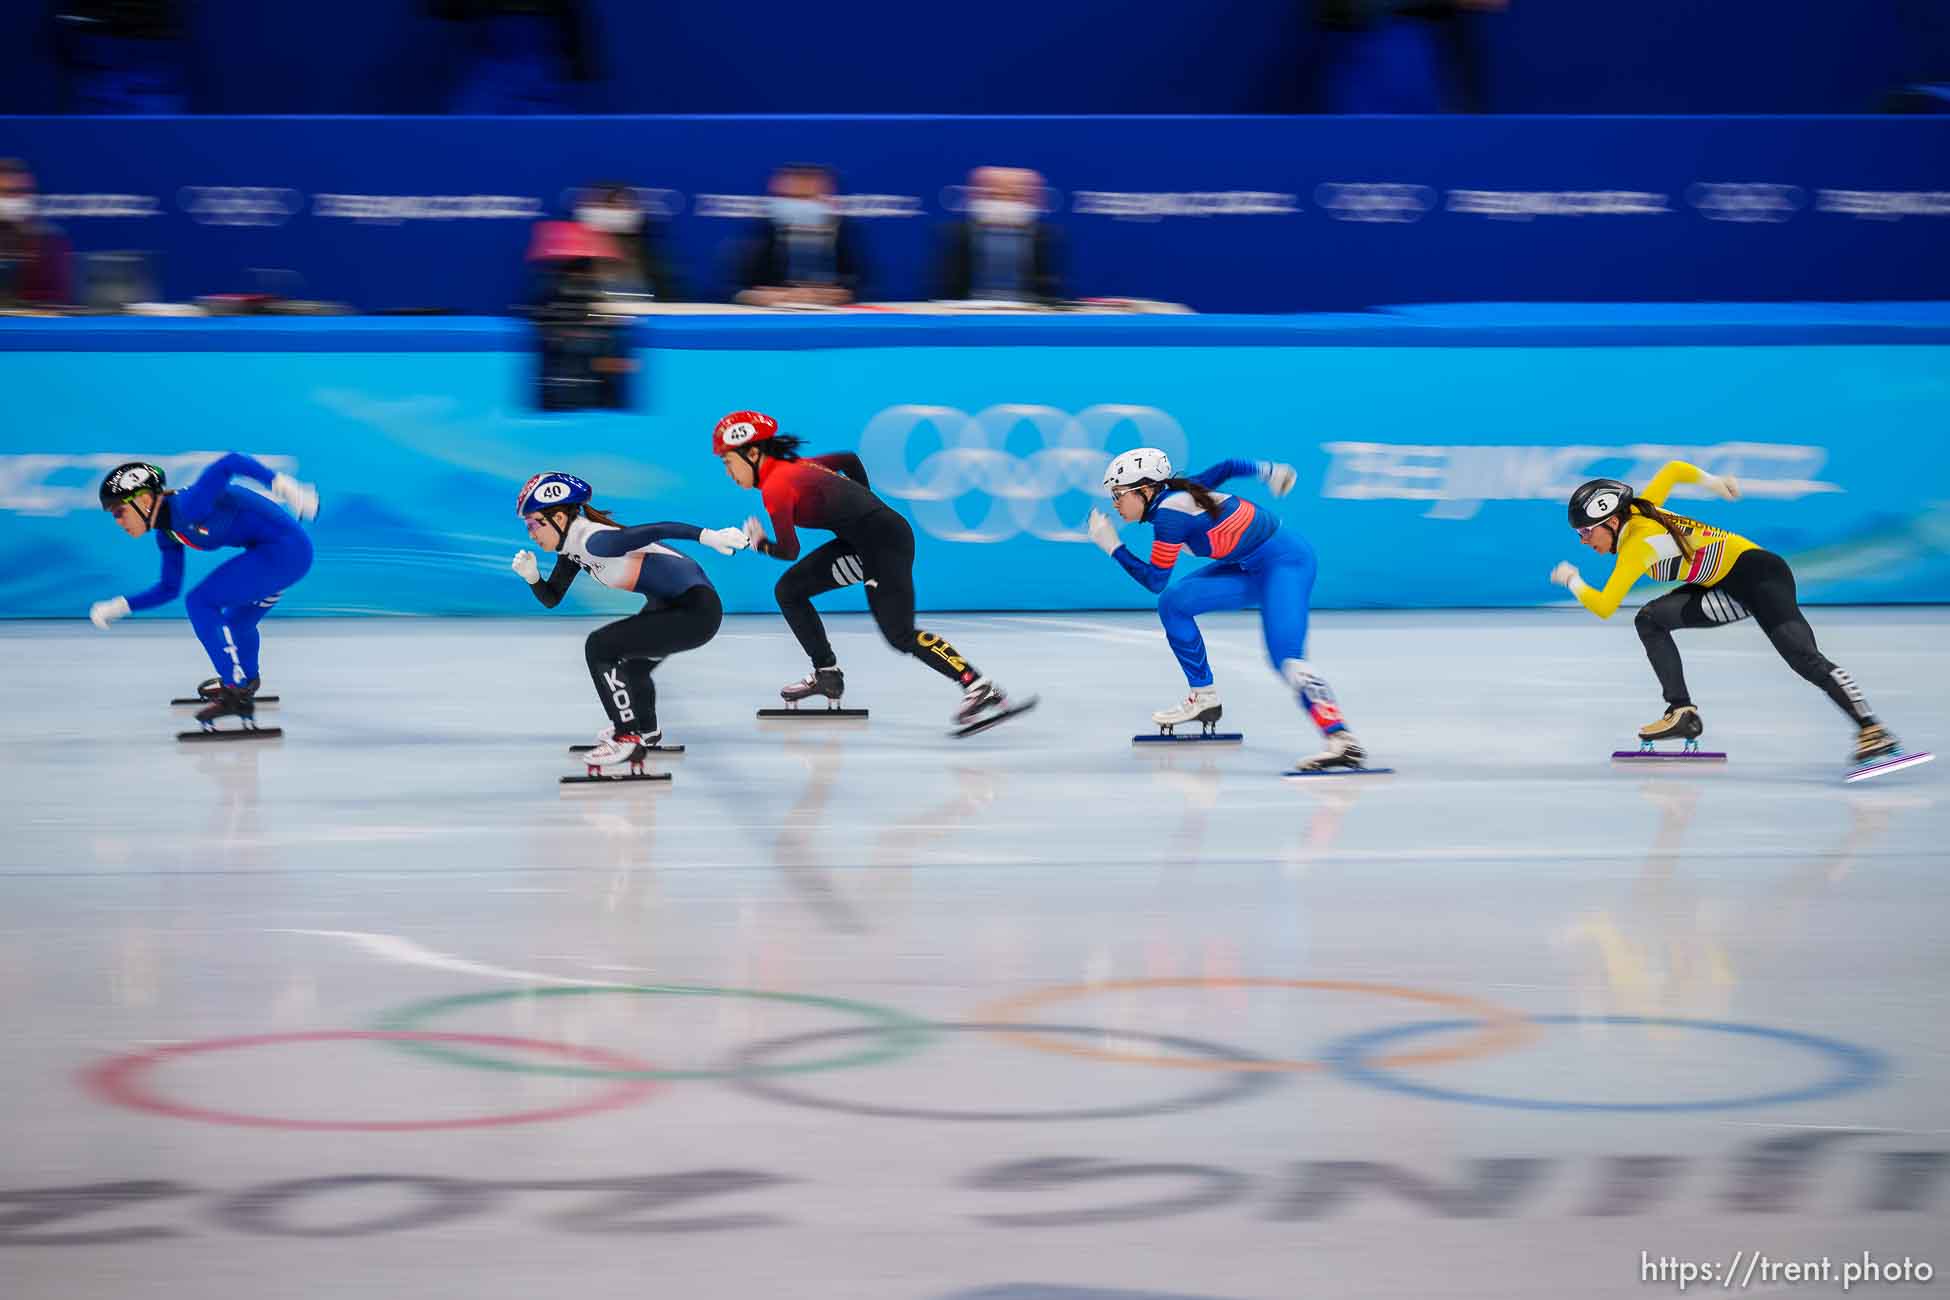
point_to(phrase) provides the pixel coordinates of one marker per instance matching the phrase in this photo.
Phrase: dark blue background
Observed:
(1032, 56)
(1300, 261)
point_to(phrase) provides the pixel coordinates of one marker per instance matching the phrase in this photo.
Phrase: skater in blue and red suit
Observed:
(209, 515)
(1256, 563)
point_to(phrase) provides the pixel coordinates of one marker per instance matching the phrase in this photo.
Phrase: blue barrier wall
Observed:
(1081, 56)
(1257, 214)
(1434, 452)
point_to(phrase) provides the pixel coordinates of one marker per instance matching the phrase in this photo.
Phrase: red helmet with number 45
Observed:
(740, 428)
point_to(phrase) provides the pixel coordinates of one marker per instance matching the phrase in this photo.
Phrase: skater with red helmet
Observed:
(872, 544)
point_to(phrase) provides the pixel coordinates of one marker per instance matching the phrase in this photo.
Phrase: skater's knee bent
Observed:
(1174, 605)
(790, 590)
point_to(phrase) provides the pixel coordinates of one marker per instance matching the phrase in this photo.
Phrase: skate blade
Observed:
(621, 778)
(238, 733)
(1884, 766)
(1192, 738)
(184, 702)
(1299, 774)
(980, 725)
(815, 714)
(648, 749)
(1668, 756)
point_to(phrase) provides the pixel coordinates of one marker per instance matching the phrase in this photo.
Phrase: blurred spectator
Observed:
(806, 253)
(610, 250)
(120, 56)
(583, 350)
(613, 208)
(571, 265)
(1398, 56)
(35, 261)
(1001, 249)
(522, 55)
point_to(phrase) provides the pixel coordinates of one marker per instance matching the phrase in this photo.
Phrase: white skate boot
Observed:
(1201, 706)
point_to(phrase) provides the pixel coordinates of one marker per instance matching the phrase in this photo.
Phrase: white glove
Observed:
(754, 532)
(724, 540)
(525, 567)
(300, 498)
(1724, 486)
(1279, 476)
(1565, 573)
(104, 612)
(1103, 533)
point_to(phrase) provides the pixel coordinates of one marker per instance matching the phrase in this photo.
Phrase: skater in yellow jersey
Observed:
(1727, 578)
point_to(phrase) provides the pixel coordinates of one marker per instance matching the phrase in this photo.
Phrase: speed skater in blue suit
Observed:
(1255, 562)
(212, 514)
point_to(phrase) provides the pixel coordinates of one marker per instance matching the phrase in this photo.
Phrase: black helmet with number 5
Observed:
(129, 478)
(1599, 500)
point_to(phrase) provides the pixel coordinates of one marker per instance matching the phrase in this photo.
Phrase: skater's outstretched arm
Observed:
(171, 581)
(621, 541)
(196, 500)
(1676, 472)
(844, 462)
(1230, 469)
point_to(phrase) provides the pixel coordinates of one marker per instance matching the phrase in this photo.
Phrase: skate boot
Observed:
(1343, 753)
(828, 683)
(1201, 706)
(208, 688)
(1875, 741)
(614, 747)
(231, 702)
(979, 699)
(1682, 722)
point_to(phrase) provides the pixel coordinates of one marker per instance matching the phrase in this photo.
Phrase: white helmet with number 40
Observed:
(1145, 465)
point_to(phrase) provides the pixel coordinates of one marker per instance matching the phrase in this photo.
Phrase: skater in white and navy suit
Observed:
(680, 611)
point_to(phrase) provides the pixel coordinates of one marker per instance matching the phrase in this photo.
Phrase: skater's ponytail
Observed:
(594, 515)
(1668, 522)
(1201, 495)
(781, 446)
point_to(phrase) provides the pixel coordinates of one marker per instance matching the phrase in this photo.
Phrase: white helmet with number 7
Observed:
(1145, 465)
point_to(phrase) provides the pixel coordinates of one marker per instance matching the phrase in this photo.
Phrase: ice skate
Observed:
(984, 704)
(625, 749)
(651, 742)
(827, 682)
(821, 685)
(1875, 741)
(1878, 753)
(1202, 707)
(1343, 755)
(237, 702)
(208, 689)
(1681, 722)
(613, 748)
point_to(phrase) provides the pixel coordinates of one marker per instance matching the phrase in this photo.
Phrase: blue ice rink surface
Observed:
(863, 1012)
